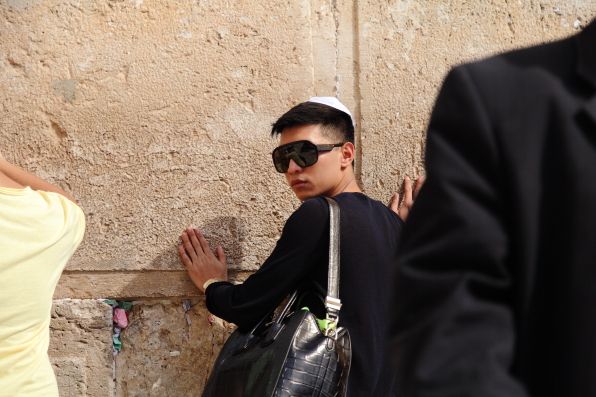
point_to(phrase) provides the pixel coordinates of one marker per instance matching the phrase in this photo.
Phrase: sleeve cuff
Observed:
(211, 281)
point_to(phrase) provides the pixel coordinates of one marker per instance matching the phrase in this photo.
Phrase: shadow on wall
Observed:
(169, 348)
(170, 342)
(227, 231)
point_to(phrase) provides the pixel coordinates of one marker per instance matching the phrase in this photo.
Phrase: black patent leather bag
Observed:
(291, 355)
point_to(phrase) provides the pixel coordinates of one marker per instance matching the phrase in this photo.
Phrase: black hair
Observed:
(333, 122)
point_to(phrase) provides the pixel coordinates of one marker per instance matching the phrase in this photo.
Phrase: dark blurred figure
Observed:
(496, 286)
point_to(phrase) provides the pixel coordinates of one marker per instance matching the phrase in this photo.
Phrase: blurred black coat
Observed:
(496, 287)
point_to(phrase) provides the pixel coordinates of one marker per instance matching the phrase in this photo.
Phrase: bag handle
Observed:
(332, 301)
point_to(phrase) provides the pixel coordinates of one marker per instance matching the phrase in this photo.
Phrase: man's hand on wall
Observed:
(402, 207)
(200, 261)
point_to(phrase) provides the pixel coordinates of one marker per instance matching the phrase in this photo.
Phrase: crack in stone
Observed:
(336, 21)
(58, 130)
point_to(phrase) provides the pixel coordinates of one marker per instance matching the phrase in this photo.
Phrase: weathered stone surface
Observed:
(407, 47)
(81, 348)
(71, 375)
(167, 352)
(127, 286)
(156, 115)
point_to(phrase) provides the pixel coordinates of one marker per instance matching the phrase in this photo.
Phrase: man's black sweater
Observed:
(369, 241)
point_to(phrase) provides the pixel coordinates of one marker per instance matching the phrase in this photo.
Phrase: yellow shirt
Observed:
(39, 232)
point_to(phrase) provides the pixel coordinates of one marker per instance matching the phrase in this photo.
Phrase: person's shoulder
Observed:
(312, 208)
(361, 202)
(72, 213)
(59, 200)
(552, 59)
(382, 210)
(309, 217)
(506, 83)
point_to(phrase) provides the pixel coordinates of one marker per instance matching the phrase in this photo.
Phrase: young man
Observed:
(316, 154)
(40, 228)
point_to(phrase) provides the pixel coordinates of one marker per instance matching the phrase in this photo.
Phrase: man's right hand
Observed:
(403, 207)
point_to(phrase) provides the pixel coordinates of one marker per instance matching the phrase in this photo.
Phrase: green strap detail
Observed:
(323, 323)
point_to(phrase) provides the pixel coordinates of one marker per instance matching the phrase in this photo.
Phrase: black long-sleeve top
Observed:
(369, 241)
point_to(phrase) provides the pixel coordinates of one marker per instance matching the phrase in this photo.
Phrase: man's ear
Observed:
(348, 151)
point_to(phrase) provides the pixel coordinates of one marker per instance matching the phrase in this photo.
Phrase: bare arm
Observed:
(14, 176)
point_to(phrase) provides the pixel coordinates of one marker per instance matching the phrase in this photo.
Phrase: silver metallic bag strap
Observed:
(332, 301)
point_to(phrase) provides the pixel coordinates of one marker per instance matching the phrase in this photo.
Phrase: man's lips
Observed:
(298, 183)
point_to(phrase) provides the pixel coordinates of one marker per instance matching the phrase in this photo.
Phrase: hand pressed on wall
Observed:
(200, 262)
(403, 208)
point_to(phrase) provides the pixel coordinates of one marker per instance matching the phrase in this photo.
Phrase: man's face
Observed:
(321, 178)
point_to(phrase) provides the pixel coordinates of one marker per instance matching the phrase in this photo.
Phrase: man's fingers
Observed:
(203, 242)
(394, 202)
(219, 252)
(418, 185)
(190, 251)
(184, 256)
(403, 212)
(195, 241)
(407, 191)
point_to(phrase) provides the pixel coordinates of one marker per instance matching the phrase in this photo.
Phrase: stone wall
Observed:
(81, 347)
(156, 115)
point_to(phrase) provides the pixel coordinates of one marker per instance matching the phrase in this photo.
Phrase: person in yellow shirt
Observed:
(40, 228)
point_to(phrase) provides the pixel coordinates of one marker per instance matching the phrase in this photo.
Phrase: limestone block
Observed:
(156, 115)
(71, 376)
(81, 348)
(407, 47)
(126, 286)
(167, 351)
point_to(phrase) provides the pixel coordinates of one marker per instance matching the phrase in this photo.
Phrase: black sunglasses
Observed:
(304, 154)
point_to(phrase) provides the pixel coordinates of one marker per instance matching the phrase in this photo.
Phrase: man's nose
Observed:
(293, 167)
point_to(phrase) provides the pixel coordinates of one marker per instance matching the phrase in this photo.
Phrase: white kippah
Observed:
(334, 103)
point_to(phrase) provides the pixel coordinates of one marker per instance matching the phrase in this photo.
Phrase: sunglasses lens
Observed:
(304, 154)
(280, 161)
(307, 154)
